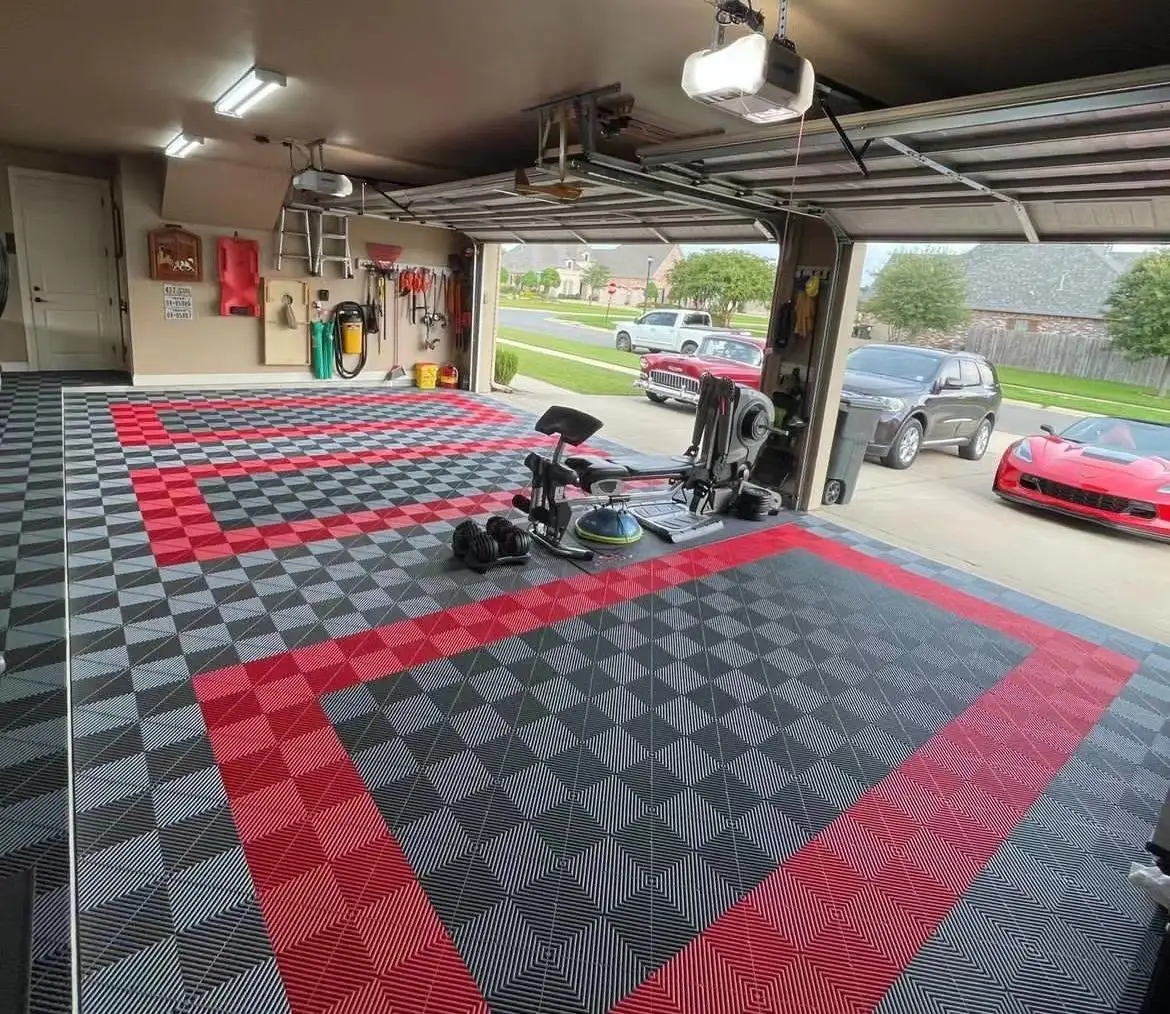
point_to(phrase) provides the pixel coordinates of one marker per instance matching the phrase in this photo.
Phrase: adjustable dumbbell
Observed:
(512, 540)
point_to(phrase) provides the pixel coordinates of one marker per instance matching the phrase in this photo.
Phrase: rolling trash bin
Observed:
(857, 419)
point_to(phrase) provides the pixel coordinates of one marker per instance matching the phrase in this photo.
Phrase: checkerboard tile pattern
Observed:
(600, 791)
(33, 806)
(270, 819)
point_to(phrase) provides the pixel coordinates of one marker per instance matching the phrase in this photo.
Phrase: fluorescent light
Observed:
(250, 90)
(182, 145)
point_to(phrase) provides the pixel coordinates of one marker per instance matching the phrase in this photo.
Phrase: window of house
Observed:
(1021, 325)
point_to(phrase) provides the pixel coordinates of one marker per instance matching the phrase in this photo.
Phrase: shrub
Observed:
(507, 365)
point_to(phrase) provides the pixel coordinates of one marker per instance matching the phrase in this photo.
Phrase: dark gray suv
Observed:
(929, 399)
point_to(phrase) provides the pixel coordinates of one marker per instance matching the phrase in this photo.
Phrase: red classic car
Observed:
(668, 376)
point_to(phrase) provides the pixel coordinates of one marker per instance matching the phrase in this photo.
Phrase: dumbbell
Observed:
(512, 540)
(473, 545)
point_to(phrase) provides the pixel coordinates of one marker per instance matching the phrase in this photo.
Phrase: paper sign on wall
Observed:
(178, 302)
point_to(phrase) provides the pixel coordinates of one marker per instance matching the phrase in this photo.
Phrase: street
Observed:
(543, 322)
(944, 509)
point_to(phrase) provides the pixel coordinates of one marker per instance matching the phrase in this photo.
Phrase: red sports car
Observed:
(666, 375)
(1115, 472)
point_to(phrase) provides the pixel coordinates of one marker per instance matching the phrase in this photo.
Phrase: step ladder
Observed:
(294, 239)
(333, 245)
(304, 234)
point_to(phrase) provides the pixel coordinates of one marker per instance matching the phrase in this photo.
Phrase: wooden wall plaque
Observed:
(176, 255)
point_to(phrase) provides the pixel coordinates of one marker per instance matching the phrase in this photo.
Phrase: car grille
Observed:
(1088, 498)
(675, 381)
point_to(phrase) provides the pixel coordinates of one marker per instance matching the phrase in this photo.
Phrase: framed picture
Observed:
(175, 255)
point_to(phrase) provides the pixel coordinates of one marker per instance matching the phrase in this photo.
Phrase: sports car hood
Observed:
(1090, 465)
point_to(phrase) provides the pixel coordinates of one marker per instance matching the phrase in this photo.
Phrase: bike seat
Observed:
(570, 424)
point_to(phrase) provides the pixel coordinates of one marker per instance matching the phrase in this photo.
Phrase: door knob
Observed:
(36, 288)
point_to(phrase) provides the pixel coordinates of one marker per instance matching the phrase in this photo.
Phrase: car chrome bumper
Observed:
(686, 397)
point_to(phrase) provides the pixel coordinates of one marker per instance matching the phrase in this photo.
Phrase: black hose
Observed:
(348, 305)
(3, 277)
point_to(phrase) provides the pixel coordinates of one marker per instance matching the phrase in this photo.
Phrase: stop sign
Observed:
(611, 288)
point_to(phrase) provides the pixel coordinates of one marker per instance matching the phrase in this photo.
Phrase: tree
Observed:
(595, 276)
(918, 292)
(505, 276)
(1137, 311)
(651, 292)
(722, 281)
(531, 280)
(550, 279)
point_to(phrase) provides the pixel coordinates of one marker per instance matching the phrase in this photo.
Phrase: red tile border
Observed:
(865, 894)
(140, 424)
(182, 528)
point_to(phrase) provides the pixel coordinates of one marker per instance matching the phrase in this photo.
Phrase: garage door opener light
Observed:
(182, 145)
(758, 79)
(249, 91)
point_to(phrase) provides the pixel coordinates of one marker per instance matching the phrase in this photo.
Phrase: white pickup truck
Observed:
(664, 331)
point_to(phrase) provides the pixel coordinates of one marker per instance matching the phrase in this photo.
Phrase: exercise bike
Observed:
(732, 424)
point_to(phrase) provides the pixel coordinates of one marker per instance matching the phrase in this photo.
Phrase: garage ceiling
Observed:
(420, 92)
(1078, 161)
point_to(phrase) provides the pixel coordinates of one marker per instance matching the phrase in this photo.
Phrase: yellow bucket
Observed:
(426, 375)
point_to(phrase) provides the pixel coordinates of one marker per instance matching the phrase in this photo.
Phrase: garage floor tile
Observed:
(318, 767)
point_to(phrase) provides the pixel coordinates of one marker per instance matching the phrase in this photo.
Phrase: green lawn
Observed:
(1078, 394)
(587, 351)
(573, 376)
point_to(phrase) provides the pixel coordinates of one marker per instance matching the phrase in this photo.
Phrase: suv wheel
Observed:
(904, 451)
(658, 399)
(689, 348)
(976, 447)
(623, 342)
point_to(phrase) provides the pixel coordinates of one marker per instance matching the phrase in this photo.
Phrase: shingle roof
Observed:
(626, 261)
(1049, 279)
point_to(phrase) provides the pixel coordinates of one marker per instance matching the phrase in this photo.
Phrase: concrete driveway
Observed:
(944, 509)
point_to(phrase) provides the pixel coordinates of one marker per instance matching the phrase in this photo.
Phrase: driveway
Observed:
(944, 509)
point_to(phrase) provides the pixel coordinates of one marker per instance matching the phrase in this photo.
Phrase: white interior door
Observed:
(64, 229)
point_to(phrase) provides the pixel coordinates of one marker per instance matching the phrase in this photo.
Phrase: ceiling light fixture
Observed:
(251, 89)
(182, 145)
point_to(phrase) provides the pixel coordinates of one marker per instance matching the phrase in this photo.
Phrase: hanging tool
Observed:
(431, 317)
(396, 369)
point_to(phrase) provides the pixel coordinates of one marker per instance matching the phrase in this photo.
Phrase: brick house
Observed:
(1042, 288)
(627, 266)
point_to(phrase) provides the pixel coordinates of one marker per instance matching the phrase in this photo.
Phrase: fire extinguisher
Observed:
(349, 337)
(448, 375)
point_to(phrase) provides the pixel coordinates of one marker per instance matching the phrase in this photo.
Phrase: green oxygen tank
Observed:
(321, 350)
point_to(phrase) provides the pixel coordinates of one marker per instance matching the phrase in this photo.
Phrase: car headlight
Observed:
(644, 365)
(1023, 452)
(891, 404)
(1165, 489)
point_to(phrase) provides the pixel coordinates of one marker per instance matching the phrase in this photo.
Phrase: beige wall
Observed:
(12, 344)
(211, 344)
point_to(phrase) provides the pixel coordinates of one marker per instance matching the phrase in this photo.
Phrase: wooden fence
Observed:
(1069, 355)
